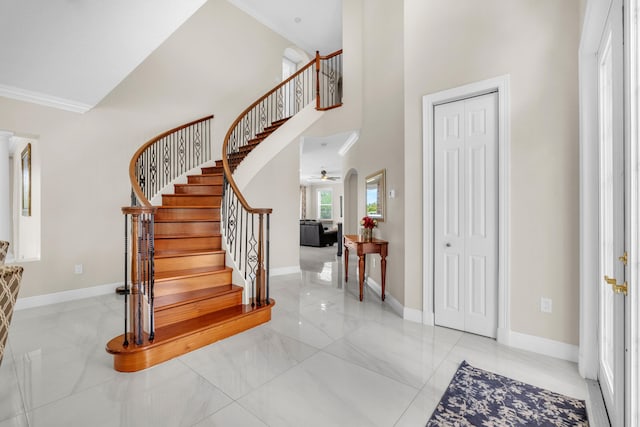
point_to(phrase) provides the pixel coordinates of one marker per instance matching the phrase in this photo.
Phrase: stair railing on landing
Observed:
(245, 228)
(156, 164)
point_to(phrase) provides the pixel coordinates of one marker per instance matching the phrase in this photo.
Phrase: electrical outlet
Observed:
(78, 269)
(546, 305)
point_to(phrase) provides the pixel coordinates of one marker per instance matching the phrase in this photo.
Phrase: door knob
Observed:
(448, 245)
(618, 289)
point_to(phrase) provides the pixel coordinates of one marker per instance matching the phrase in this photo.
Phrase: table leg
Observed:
(346, 264)
(383, 266)
(361, 265)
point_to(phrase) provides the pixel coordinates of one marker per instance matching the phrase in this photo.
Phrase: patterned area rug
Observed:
(481, 398)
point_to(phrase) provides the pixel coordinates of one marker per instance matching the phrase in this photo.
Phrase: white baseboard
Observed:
(64, 296)
(412, 315)
(409, 314)
(281, 271)
(544, 346)
(429, 318)
(503, 335)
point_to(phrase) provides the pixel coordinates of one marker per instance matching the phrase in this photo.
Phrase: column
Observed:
(5, 191)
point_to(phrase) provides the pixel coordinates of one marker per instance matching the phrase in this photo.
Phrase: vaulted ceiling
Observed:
(70, 54)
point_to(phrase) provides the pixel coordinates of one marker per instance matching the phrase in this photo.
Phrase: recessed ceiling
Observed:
(71, 53)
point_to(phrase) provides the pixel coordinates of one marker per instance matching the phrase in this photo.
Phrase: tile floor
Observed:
(325, 359)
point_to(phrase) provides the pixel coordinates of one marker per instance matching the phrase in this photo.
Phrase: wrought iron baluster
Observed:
(268, 268)
(151, 277)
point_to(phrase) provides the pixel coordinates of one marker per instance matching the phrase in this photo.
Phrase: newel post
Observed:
(135, 324)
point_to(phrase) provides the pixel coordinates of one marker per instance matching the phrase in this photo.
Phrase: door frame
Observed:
(593, 25)
(500, 85)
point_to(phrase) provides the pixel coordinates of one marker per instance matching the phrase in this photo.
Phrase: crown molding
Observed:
(43, 99)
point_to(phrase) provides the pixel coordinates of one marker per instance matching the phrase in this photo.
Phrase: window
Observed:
(325, 204)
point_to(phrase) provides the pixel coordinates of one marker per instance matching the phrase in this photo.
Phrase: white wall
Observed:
(536, 43)
(218, 62)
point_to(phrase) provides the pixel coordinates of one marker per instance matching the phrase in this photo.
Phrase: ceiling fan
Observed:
(324, 177)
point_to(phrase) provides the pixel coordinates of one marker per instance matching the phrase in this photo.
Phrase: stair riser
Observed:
(189, 200)
(204, 179)
(189, 261)
(195, 229)
(187, 244)
(187, 284)
(169, 316)
(213, 169)
(211, 190)
(188, 214)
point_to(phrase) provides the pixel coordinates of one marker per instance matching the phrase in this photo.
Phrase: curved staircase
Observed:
(180, 295)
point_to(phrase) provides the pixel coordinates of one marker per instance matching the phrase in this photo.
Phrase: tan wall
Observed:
(277, 186)
(26, 228)
(218, 62)
(381, 140)
(536, 43)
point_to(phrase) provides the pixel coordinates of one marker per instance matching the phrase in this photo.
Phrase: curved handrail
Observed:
(227, 138)
(225, 146)
(135, 185)
(245, 228)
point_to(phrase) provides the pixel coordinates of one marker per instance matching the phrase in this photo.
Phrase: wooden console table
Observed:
(361, 247)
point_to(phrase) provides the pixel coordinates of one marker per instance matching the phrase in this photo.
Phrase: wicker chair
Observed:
(4, 247)
(10, 276)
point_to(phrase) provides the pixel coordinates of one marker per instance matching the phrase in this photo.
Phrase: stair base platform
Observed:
(181, 338)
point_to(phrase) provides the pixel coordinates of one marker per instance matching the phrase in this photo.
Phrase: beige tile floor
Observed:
(325, 359)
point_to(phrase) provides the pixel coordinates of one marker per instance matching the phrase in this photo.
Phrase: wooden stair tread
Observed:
(186, 236)
(190, 272)
(187, 327)
(191, 195)
(205, 321)
(163, 254)
(186, 206)
(184, 219)
(197, 184)
(173, 300)
(189, 236)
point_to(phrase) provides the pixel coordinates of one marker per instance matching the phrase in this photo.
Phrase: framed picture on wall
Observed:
(26, 181)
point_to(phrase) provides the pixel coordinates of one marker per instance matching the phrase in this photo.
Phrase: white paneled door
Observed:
(612, 219)
(466, 215)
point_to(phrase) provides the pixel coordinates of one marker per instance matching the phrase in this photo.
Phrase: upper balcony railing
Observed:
(246, 228)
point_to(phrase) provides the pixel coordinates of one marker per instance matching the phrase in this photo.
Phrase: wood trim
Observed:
(329, 108)
(132, 164)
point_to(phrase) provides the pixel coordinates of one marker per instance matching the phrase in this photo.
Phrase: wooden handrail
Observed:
(318, 61)
(329, 56)
(225, 160)
(135, 185)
